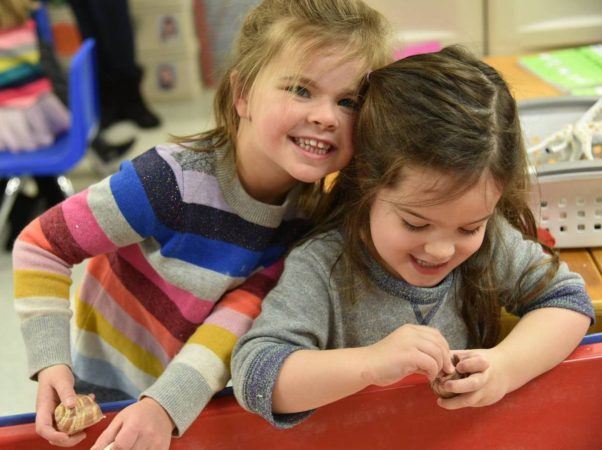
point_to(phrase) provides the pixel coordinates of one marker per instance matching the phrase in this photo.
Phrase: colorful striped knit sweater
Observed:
(169, 235)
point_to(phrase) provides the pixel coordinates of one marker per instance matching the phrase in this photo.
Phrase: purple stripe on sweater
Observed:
(93, 293)
(203, 189)
(152, 298)
(191, 307)
(58, 235)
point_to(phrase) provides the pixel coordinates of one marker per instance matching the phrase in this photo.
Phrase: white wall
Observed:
(495, 26)
(445, 21)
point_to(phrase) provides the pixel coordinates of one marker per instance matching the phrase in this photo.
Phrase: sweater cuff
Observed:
(573, 297)
(259, 386)
(47, 342)
(182, 393)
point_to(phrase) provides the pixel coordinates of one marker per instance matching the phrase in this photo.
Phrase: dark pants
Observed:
(109, 23)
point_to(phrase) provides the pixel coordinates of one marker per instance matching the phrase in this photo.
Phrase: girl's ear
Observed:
(239, 99)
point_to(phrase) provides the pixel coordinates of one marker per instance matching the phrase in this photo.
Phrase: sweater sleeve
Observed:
(94, 221)
(295, 315)
(202, 367)
(527, 259)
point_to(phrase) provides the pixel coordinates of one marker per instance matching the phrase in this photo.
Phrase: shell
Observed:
(73, 420)
(437, 383)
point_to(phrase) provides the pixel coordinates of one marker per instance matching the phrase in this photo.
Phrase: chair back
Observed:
(68, 148)
(84, 103)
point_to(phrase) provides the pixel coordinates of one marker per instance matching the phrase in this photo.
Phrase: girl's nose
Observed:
(440, 251)
(324, 115)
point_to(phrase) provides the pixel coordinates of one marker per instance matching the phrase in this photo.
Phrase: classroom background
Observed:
(183, 44)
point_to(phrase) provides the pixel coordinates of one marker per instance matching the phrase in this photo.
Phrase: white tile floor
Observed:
(17, 392)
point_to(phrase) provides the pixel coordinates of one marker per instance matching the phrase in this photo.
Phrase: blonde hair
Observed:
(14, 13)
(299, 28)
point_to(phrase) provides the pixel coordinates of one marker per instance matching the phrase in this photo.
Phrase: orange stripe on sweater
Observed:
(242, 301)
(100, 268)
(34, 235)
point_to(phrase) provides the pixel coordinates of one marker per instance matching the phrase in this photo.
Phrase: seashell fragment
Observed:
(437, 383)
(73, 420)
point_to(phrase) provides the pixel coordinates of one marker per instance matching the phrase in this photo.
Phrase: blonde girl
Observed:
(181, 226)
(427, 235)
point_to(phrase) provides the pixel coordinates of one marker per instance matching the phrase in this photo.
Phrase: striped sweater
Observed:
(168, 236)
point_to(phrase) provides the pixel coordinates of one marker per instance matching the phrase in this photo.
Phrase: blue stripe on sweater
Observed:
(219, 256)
(103, 373)
(212, 223)
(212, 254)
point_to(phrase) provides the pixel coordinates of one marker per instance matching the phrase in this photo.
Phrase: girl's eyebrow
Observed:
(414, 213)
(312, 84)
(301, 80)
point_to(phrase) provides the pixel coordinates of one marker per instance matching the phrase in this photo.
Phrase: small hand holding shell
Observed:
(73, 420)
(437, 383)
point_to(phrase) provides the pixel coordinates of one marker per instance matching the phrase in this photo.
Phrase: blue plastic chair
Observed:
(69, 147)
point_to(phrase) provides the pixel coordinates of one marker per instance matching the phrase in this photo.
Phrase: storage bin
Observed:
(566, 198)
(164, 26)
(169, 76)
(569, 199)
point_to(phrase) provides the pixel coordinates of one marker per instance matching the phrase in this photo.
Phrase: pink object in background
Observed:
(417, 48)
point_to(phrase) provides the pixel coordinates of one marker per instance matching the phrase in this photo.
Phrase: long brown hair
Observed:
(453, 114)
(297, 29)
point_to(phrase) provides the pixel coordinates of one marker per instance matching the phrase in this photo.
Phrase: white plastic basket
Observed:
(567, 195)
(567, 201)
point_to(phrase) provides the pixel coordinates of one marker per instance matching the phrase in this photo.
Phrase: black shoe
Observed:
(139, 113)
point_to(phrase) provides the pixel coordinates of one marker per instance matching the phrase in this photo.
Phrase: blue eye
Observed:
(413, 228)
(298, 90)
(349, 103)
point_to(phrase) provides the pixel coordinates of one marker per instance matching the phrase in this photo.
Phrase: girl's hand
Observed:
(486, 384)
(55, 385)
(145, 424)
(409, 349)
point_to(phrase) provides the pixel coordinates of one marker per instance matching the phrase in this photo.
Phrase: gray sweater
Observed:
(305, 311)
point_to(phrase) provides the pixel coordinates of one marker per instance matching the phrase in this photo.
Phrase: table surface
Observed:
(524, 85)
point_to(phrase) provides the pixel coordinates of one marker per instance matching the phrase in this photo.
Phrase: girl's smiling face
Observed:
(422, 243)
(297, 126)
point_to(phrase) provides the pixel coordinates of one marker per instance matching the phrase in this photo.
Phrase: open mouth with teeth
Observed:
(313, 145)
(427, 264)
